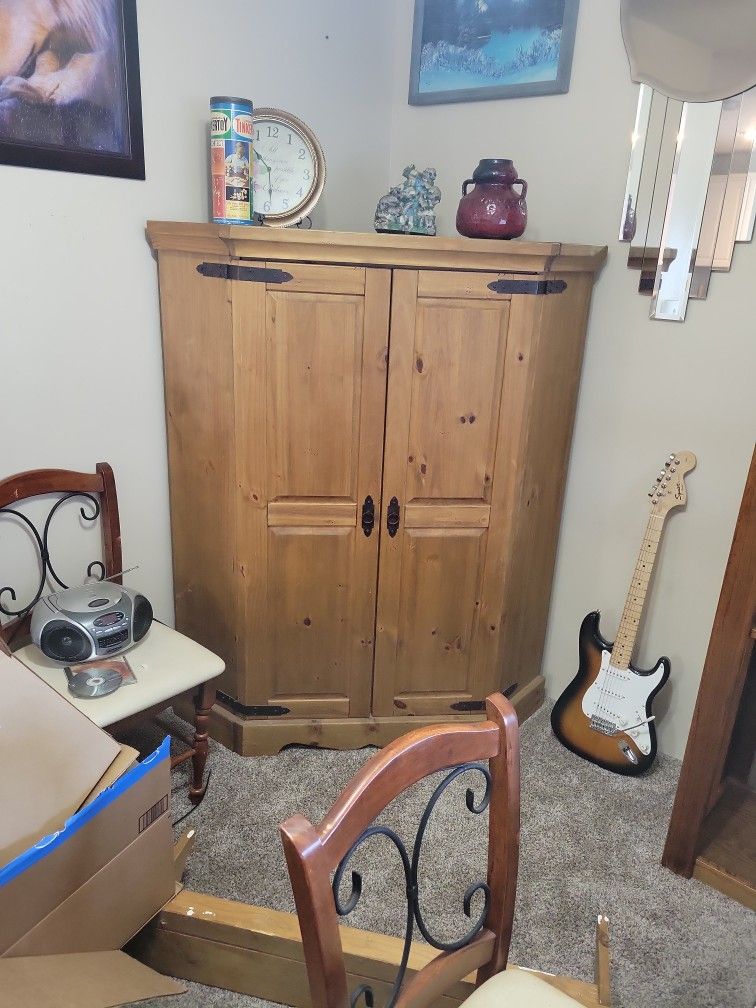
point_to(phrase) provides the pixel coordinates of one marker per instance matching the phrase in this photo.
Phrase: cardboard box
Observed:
(86, 980)
(105, 870)
(52, 757)
(93, 884)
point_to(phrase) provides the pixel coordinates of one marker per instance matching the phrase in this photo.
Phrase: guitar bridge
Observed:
(600, 724)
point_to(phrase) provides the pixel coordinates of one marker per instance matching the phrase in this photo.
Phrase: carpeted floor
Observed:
(590, 843)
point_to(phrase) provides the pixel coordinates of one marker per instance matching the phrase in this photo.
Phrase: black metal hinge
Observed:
(254, 274)
(469, 706)
(527, 286)
(245, 710)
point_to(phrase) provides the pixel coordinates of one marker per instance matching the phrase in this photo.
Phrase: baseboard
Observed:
(266, 736)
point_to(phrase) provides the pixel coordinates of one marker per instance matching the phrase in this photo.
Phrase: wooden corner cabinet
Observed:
(368, 437)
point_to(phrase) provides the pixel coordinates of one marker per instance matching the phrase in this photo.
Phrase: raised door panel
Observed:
(311, 383)
(444, 436)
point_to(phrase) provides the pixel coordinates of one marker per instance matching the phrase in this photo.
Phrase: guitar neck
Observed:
(627, 633)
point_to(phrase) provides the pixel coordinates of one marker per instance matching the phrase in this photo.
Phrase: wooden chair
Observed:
(166, 663)
(313, 853)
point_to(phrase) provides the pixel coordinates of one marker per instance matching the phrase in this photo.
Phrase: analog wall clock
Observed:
(288, 173)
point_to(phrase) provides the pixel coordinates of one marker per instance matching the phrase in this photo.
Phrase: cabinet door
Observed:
(310, 385)
(445, 440)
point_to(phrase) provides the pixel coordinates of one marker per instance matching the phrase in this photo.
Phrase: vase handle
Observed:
(524, 185)
(465, 184)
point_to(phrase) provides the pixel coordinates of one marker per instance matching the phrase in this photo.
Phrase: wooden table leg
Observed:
(204, 699)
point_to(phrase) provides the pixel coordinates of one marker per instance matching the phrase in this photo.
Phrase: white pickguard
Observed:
(618, 697)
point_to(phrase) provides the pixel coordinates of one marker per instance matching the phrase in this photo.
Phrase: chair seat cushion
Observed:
(516, 988)
(165, 664)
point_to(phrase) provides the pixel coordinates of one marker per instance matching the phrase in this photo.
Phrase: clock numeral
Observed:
(290, 140)
(307, 174)
(286, 204)
(266, 207)
(301, 154)
(257, 134)
(300, 192)
(273, 132)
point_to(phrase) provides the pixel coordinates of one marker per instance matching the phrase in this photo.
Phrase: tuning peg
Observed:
(671, 457)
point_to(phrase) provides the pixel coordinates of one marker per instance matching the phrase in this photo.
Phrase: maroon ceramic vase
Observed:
(493, 209)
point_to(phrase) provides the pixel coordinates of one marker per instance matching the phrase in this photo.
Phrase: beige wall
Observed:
(82, 373)
(79, 324)
(648, 388)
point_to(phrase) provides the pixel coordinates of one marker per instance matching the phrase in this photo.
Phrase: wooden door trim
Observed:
(720, 691)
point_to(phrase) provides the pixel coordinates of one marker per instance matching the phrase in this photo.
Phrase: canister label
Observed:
(231, 132)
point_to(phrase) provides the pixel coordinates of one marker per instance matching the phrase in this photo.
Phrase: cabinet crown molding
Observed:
(389, 250)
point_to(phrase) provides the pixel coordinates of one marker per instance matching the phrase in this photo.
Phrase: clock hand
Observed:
(262, 160)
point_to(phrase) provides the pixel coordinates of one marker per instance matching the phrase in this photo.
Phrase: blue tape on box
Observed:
(43, 847)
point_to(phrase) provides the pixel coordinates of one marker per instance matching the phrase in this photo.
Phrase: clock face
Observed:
(286, 172)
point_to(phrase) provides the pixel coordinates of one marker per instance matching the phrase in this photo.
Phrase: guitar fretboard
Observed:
(624, 644)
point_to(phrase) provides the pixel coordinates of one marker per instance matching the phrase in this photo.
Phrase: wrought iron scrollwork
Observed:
(411, 867)
(41, 542)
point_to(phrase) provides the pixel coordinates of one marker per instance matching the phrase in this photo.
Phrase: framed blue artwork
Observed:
(474, 50)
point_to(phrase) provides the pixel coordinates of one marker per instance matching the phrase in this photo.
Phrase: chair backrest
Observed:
(97, 493)
(314, 852)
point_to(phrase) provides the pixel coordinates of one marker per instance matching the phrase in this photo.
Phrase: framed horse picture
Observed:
(472, 50)
(70, 97)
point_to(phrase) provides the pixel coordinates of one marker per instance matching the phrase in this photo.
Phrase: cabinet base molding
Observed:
(267, 736)
(256, 951)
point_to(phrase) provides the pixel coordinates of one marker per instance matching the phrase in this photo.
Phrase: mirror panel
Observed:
(720, 180)
(638, 146)
(685, 206)
(656, 177)
(747, 130)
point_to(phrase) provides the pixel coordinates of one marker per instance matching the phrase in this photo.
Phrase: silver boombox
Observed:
(94, 621)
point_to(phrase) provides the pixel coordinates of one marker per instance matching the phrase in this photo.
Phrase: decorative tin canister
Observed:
(231, 132)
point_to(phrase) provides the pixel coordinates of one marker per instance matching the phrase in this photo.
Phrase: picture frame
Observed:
(77, 107)
(480, 50)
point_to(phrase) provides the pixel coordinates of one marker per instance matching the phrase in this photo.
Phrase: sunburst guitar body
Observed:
(605, 714)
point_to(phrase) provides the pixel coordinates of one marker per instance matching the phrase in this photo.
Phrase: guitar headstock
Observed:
(669, 490)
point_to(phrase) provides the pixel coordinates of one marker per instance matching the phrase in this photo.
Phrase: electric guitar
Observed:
(604, 715)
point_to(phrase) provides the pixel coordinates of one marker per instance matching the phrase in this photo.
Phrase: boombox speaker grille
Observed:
(142, 618)
(65, 642)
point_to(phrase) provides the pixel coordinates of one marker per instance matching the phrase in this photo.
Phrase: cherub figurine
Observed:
(409, 207)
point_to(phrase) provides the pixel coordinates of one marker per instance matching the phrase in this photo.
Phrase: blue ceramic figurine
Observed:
(409, 208)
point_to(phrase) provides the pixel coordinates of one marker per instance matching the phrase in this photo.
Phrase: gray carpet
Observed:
(590, 843)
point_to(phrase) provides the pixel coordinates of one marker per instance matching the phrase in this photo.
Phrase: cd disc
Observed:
(94, 682)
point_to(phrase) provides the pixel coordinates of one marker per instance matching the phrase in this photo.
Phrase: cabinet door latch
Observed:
(392, 517)
(368, 515)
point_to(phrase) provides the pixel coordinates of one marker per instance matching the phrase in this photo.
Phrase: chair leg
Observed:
(203, 702)
(603, 980)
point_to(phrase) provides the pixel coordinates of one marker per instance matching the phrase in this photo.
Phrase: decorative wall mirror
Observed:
(691, 187)
(690, 195)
